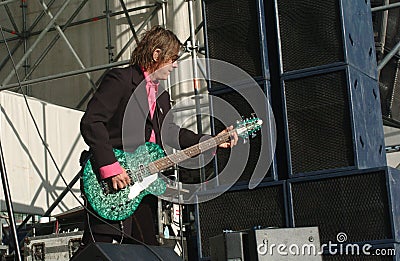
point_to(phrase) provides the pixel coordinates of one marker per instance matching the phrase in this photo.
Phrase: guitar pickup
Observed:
(107, 187)
(130, 174)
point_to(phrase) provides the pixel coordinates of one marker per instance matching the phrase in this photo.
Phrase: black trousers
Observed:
(137, 229)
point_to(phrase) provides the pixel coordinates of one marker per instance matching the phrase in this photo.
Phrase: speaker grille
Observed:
(310, 33)
(244, 108)
(240, 210)
(356, 205)
(320, 133)
(233, 33)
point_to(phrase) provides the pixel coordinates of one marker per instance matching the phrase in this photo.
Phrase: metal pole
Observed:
(164, 12)
(61, 33)
(10, 208)
(9, 13)
(19, 36)
(63, 75)
(89, 20)
(55, 203)
(62, 195)
(389, 56)
(382, 37)
(7, 2)
(193, 51)
(109, 47)
(7, 57)
(40, 37)
(25, 35)
(192, 47)
(129, 21)
(10, 17)
(385, 7)
(40, 16)
(119, 55)
(55, 39)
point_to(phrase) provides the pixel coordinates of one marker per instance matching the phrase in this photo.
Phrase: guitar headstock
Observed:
(248, 127)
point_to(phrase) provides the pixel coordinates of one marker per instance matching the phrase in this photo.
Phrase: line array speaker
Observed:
(325, 33)
(240, 103)
(362, 205)
(237, 35)
(333, 121)
(324, 82)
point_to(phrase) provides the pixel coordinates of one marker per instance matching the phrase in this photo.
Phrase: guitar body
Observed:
(121, 204)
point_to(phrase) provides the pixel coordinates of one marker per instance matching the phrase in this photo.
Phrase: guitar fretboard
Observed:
(171, 160)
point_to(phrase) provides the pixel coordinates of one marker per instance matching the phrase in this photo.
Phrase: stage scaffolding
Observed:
(25, 31)
(32, 30)
(20, 36)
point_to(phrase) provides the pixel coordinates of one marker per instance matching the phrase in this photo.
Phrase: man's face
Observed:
(164, 69)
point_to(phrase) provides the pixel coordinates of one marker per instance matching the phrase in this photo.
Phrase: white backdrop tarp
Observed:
(33, 178)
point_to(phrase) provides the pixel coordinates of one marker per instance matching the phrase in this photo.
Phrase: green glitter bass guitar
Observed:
(143, 167)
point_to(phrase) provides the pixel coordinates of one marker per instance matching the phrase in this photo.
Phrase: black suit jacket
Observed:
(117, 116)
(120, 106)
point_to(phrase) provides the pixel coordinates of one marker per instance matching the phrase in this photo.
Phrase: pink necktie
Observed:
(152, 106)
(152, 99)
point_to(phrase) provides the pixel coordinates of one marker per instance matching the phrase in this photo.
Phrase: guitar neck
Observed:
(171, 160)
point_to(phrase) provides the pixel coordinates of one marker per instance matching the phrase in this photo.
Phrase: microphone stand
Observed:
(10, 209)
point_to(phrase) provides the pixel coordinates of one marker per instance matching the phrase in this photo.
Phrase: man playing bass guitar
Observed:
(101, 127)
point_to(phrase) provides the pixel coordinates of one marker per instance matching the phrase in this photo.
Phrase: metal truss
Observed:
(383, 31)
(386, 20)
(20, 36)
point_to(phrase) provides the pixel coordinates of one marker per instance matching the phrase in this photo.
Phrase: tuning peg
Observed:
(253, 135)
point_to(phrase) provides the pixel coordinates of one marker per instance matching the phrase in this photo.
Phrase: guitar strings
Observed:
(52, 157)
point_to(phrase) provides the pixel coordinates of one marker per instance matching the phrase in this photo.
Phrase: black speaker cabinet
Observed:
(107, 252)
(234, 33)
(324, 83)
(314, 34)
(239, 209)
(348, 207)
(332, 121)
(260, 146)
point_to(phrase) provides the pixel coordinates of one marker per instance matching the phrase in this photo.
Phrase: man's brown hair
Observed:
(156, 38)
